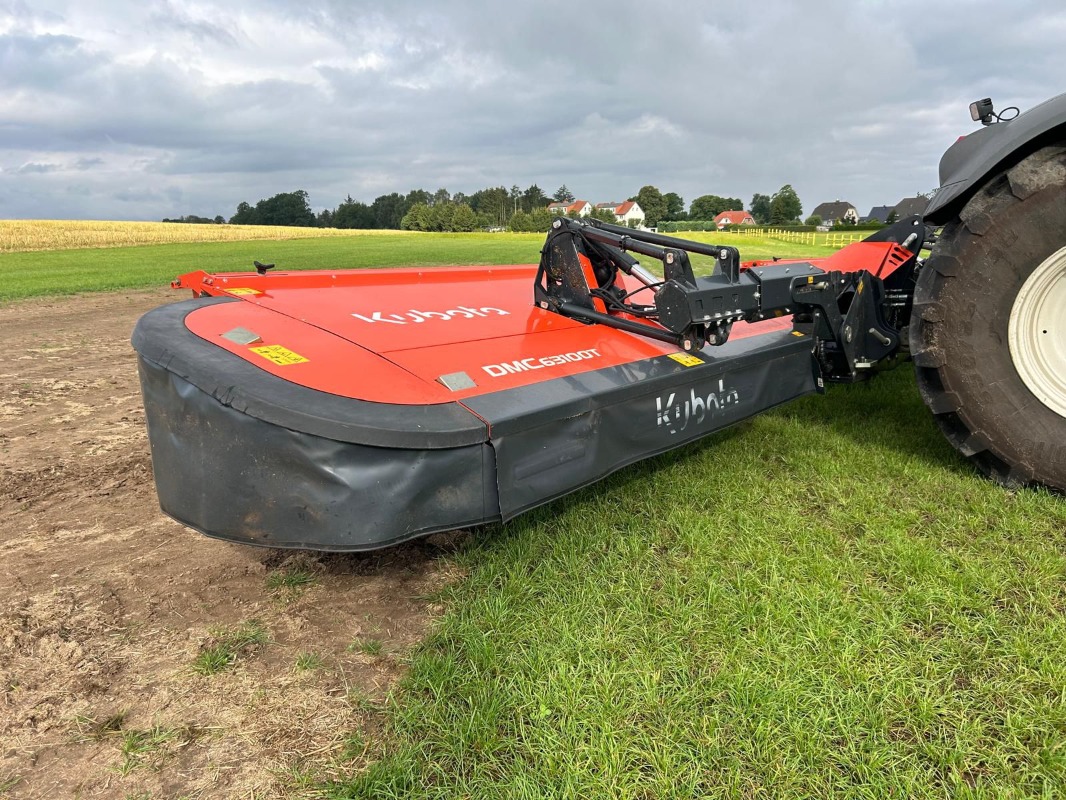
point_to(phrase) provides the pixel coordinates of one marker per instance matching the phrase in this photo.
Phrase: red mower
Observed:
(350, 410)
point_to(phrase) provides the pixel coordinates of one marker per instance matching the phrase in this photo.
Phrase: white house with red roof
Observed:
(580, 207)
(727, 218)
(624, 212)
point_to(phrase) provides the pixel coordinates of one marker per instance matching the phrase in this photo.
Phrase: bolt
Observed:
(847, 332)
(669, 258)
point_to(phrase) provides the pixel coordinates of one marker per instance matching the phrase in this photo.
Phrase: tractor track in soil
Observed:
(105, 602)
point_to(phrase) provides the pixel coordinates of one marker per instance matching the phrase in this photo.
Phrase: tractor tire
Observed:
(988, 329)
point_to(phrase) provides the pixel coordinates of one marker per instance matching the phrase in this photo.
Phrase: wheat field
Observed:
(47, 234)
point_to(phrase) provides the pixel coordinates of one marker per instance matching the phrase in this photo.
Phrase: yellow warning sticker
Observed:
(685, 360)
(798, 333)
(243, 290)
(282, 356)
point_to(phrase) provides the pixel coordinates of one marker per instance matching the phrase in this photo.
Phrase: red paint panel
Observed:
(333, 365)
(388, 335)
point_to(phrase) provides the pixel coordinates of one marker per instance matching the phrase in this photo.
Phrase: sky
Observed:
(134, 109)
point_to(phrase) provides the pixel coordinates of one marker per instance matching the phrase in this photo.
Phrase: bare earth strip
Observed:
(105, 603)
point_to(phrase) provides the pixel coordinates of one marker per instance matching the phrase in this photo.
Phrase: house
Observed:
(581, 208)
(877, 214)
(627, 212)
(624, 212)
(727, 218)
(909, 206)
(838, 210)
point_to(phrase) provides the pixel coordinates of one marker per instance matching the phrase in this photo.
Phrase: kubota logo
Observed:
(675, 415)
(460, 312)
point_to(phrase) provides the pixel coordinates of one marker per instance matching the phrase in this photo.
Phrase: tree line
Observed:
(492, 208)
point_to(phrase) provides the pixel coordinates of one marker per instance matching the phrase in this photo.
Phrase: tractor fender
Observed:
(968, 163)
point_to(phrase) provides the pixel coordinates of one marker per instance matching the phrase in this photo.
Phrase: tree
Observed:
(603, 215)
(709, 206)
(287, 208)
(652, 203)
(441, 196)
(760, 208)
(388, 210)
(245, 215)
(418, 196)
(464, 218)
(892, 217)
(416, 218)
(675, 206)
(814, 220)
(439, 217)
(534, 198)
(352, 214)
(193, 219)
(538, 220)
(563, 195)
(492, 206)
(785, 206)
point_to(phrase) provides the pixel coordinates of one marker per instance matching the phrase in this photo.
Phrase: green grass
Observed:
(370, 647)
(145, 748)
(308, 662)
(823, 602)
(7, 783)
(289, 584)
(227, 645)
(104, 269)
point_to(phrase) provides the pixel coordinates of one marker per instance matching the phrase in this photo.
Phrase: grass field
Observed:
(822, 602)
(67, 271)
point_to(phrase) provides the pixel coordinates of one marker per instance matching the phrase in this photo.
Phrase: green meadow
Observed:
(53, 272)
(824, 601)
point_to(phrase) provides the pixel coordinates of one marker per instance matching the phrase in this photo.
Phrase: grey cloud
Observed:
(840, 99)
(168, 16)
(31, 168)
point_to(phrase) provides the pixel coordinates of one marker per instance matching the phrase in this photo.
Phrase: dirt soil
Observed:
(105, 604)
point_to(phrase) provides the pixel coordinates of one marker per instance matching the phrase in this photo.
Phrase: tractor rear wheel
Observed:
(988, 330)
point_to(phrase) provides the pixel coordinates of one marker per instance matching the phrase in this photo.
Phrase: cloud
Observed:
(122, 108)
(31, 168)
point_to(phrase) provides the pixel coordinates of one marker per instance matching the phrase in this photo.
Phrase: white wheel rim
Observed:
(1037, 332)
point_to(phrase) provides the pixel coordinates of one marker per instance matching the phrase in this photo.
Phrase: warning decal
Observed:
(243, 290)
(685, 360)
(282, 356)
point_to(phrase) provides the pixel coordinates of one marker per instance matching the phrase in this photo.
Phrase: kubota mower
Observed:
(349, 410)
